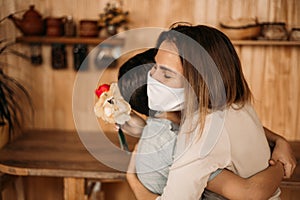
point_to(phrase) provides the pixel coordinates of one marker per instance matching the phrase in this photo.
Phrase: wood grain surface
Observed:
(57, 154)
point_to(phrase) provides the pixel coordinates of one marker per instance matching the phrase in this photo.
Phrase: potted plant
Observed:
(13, 99)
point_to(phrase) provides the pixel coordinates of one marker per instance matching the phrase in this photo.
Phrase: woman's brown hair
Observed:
(212, 69)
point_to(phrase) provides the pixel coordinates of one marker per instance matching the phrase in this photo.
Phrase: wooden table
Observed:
(62, 154)
(58, 154)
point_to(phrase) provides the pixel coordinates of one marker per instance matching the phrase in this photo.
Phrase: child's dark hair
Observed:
(132, 80)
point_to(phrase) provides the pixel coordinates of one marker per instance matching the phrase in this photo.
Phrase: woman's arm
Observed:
(263, 184)
(282, 152)
(260, 186)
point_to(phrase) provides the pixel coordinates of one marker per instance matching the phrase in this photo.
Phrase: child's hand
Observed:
(135, 125)
(283, 152)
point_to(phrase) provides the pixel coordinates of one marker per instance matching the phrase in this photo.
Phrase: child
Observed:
(158, 137)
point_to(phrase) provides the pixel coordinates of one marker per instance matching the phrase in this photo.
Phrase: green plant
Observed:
(13, 96)
(113, 17)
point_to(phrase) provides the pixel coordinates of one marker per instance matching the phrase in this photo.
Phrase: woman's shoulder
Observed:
(244, 114)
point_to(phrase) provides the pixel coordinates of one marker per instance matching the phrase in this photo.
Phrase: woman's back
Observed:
(233, 139)
(250, 151)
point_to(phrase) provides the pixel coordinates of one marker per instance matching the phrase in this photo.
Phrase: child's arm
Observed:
(135, 125)
(282, 152)
(139, 190)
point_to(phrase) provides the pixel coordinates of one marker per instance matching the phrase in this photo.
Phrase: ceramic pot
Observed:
(31, 23)
(55, 26)
(89, 28)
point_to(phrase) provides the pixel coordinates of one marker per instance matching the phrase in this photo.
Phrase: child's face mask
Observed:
(162, 97)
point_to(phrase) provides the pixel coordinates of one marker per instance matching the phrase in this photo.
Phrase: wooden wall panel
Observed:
(272, 71)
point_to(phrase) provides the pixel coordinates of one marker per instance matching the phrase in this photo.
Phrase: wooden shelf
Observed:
(68, 40)
(266, 42)
(119, 41)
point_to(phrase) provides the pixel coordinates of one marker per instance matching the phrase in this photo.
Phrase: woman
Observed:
(232, 181)
(201, 150)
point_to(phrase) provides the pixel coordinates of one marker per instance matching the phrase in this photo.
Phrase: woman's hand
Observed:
(282, 152)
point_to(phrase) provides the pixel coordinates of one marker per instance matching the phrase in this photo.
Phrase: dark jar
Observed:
(80, 52)
(58, 54)
(36, 53)
(69, 27)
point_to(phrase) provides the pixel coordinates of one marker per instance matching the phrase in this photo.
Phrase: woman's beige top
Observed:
(233, 139)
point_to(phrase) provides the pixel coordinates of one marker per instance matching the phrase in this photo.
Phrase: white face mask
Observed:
(162, 97)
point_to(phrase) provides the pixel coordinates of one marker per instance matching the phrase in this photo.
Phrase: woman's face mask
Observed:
(162, 97)
(165, 81)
